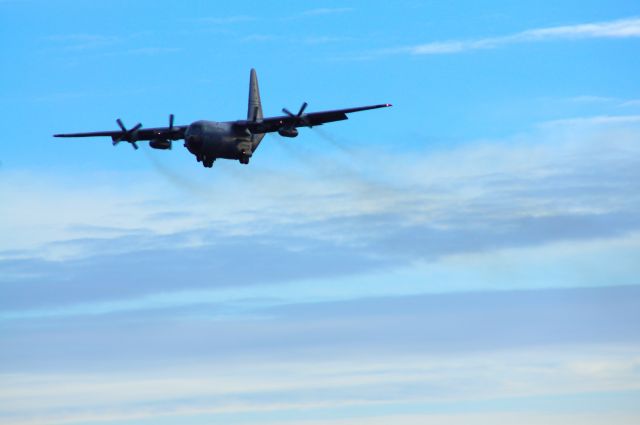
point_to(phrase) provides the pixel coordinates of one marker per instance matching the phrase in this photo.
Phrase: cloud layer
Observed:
(562, 195)
(416, 354)
(403, 287)
(623, 28)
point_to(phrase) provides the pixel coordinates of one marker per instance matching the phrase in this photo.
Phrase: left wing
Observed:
(136, 133)
(145, 134)
(271, 124)
(175, 133)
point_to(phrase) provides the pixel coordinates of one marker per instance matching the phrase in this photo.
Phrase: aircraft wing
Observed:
(167, 133)
(271, 124)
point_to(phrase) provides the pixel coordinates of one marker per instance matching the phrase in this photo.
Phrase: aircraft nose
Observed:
(193, 140)
(194, 133)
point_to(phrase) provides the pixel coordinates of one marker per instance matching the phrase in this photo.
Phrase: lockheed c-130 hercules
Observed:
(237, 140)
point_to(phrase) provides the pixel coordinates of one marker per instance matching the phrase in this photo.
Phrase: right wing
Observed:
(271, 124)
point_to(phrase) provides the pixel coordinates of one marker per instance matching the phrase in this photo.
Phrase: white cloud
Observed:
(82, 42)
(227, 20)
(592, 99)
(631, 103)
(524, 176)
(152, 51)
(326, 11)
(594, 121)
(581, 264)
(240, 19)
(488, 418)
(325, 39)
(377, 384)
(623, 28)
(605, 101)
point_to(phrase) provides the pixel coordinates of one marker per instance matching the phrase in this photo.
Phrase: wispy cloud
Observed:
(261, 38)
(326, 39)
(609, 101)
(631, 103)
(434, 216)
(146, 51)
(234, 294)
(314, 320)
(81, 42)
(326, 11)
(104, 45)
(370, 386)
(239, 19)
(623, 28)
(431, 188)
(600, 120)
(227, 20)
(321, 12)
(310, 40)
(591, 99)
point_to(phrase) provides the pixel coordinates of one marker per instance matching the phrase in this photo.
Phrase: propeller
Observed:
(127, 135)
(298, 118)
(170, 122)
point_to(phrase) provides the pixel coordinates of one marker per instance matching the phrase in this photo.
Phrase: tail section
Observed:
(255, 107)
(254, 112)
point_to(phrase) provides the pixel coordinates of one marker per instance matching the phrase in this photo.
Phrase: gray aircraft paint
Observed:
(254, 112)
(236, 140)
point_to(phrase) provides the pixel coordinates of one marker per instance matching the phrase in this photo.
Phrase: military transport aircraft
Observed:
(210, 140)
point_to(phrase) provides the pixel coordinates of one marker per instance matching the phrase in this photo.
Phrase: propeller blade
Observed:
(302, 108)
(126, 134)
(299, 118)
(288, 112)
(171, 122)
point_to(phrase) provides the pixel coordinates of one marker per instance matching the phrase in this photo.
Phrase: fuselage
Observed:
(209, 140)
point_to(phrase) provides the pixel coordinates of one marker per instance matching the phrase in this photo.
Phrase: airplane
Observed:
(235, 140)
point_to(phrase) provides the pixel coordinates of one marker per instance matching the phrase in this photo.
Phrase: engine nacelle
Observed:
(160, 144)
(288, 132)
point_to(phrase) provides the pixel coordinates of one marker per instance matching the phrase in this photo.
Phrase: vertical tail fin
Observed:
(254, 112)
(255, 107)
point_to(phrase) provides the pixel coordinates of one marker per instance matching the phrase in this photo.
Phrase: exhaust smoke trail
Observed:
(179, 181)
(348, 171)
(341, 145)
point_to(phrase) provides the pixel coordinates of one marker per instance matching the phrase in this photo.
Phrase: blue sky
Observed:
(467, 256)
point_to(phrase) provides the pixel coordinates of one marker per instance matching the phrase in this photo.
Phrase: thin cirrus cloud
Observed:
(500, 182)
(227, 20)
(239, 19)
(622, 28)
(326, 11)
(598, 120)
(322, 356)
(82, 42)
(550, 202)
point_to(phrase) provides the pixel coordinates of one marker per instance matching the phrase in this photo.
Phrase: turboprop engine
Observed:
(160, 144)
(288, 132)
(298, 119)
